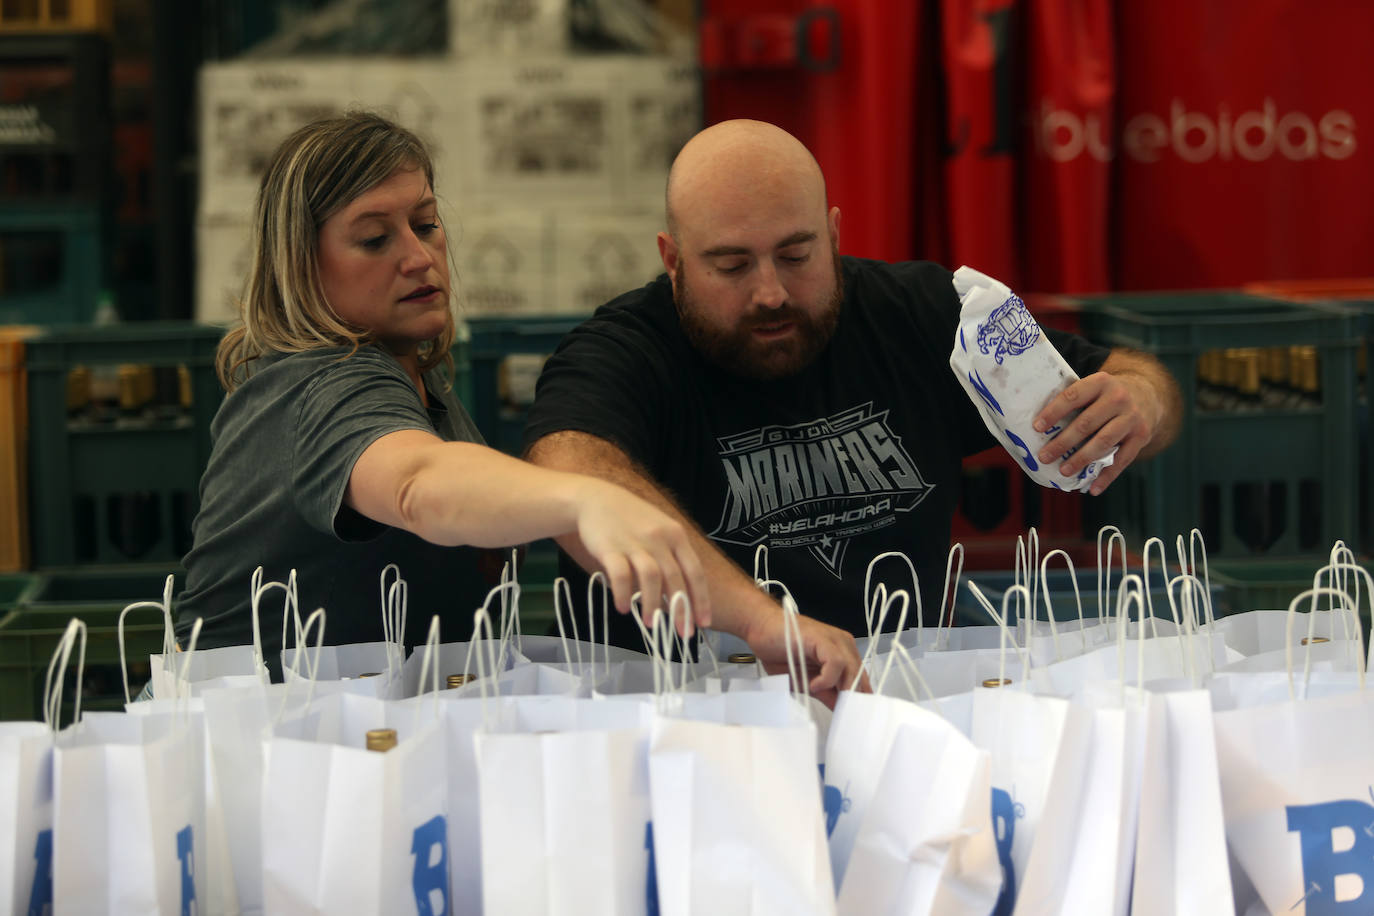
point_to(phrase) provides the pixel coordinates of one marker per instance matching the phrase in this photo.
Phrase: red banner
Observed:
(979, 44)
(1066, 163)
(1244, 150)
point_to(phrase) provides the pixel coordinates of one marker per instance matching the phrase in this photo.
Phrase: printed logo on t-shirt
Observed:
(817, 485)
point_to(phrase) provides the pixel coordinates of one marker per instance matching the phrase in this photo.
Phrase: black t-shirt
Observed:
(283, 447)
(856, 455)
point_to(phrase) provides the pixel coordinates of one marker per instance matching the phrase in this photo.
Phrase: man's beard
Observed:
(736, 350)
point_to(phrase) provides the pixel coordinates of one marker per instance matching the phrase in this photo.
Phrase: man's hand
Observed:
(1132, 405)
(830, 654)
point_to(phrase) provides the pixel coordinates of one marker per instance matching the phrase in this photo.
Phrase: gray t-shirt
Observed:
(283, 448)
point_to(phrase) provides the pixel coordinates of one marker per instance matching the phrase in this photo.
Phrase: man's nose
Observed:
(768, 290)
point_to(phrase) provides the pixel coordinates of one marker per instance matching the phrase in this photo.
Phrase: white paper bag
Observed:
(25, 816)
(926, 844)
(565, 807)
(349, 830)
(1084, 850)
(128, 813)
(737, 822)
(1180, 860)
(145, 775)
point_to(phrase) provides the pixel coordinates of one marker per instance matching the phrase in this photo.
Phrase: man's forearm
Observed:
(736, 601)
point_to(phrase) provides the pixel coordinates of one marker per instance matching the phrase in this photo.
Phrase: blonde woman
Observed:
(340, 447)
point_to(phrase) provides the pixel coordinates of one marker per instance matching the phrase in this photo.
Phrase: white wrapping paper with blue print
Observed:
(1011, 371)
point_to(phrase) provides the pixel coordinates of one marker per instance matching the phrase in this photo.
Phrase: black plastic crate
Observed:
(1257, 477)
(55, 140)
(118, 483)
(505, 355)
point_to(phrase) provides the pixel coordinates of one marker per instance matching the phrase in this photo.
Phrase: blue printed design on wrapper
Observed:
(1009, 330)
(40, 897)
(1322, 864)
(429, 876)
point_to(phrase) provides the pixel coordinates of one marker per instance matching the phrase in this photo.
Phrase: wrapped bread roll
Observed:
(1011, 371)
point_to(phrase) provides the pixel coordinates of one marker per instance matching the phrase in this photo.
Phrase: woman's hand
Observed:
(641, 550)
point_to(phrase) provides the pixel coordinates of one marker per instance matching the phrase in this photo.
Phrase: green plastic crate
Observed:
(1297, 464)
(30, 632)
(51, 261)
(14, 589)
(494, 341)
(117, 491)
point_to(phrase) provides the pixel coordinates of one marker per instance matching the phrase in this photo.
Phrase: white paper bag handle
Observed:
(908, 669)
(653, 637)
(792, 634)
(57, 673)
(1145, 583)
(599, 578)
(761, 564)
(867, 593)
(879, 600)
(1021, 593)
(119, 634)
(482, 618)
(497, 659)
(1197, 547)
(395, 607)
(429, 667)
(310, 660)
(181, 702)
(1130, 591)
(899, 595)
(1185, 610)
(255, 592)
(510, 602)
(562, 592)
(1353, 581)
(948, 595)
(1027, 571)
(1310, 594)
(1049, 607)
(1112, 535)
(680, 608)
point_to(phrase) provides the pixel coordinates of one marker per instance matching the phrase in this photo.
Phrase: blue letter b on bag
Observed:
(1322, 864)
(429, 845)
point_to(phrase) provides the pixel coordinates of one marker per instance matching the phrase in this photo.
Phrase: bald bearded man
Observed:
(775, 393)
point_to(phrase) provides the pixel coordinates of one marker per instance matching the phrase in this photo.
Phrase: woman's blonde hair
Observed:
(316, 172)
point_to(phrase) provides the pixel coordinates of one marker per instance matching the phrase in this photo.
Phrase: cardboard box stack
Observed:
(550, 162)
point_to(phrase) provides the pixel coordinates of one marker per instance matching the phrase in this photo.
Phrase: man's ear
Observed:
(834, 222)
(668, 252)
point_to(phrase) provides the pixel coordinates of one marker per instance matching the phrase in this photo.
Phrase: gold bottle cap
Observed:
(1314, 640)
(996, 682)
(741, 658)
(458, 680)
(370, 674)
(381, 739)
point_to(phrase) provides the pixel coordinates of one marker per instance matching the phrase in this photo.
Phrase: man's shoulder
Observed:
(913, 288)
(643, 315)
(921, 277)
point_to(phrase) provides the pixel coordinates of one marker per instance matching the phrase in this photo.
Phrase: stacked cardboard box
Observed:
(550, 165)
